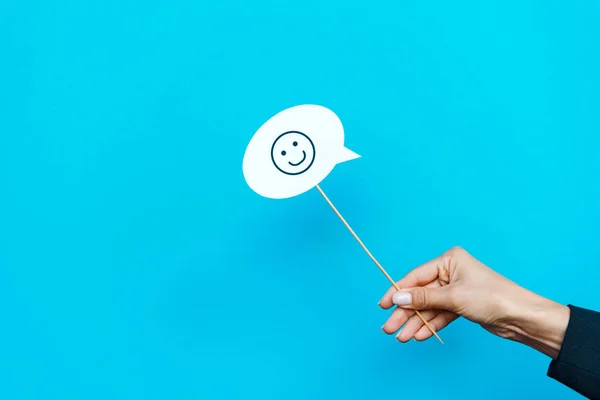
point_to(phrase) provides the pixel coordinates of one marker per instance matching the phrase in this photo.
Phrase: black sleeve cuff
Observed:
(578, 363)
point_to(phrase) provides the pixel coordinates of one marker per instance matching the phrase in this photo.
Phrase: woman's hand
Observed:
(456, 284)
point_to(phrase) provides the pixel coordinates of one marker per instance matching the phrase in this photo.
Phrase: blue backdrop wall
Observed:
(135, 263)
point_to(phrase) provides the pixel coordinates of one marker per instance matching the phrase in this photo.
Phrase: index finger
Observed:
(420, 276)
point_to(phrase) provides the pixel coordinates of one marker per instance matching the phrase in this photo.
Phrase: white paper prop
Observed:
(293, 152)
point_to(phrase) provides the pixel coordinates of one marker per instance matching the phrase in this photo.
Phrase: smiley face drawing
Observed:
(293, 153)
(280, 160)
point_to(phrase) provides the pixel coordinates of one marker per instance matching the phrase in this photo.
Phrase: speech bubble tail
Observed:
(347, 155)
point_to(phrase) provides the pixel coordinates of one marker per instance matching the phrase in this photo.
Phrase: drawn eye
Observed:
(295, 144)
(283, 153)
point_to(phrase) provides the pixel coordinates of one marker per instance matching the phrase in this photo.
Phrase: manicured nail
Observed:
(382, 327)
(402, 298)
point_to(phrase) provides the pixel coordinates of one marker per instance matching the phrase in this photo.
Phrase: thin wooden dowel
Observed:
(373, 258)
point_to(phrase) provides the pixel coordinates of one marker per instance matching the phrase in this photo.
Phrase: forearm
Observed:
(569, 335)
(540, 323)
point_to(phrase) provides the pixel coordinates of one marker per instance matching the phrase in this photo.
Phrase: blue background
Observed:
(135, 263)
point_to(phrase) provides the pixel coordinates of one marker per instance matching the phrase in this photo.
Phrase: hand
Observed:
(456, 284)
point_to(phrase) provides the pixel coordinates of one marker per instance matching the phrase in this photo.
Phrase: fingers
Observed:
(414, 324)
(386, 301)
(398, 317)
(438, 323)
(415, 328)
(422, 275)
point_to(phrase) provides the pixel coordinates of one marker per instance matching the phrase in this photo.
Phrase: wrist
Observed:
(540, 323)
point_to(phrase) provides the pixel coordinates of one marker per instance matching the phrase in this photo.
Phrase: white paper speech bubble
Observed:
(294, 151)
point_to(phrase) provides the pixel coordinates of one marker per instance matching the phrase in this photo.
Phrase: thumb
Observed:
(422, 298)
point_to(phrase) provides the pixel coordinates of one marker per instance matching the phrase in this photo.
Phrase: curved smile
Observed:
(303, 158)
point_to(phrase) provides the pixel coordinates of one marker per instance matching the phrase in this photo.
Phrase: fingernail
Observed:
(382, 327)
(402, 298)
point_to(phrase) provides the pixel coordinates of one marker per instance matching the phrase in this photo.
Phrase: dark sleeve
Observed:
(578, 363)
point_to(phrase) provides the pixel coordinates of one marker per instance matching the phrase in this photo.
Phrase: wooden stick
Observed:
(373, 258)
